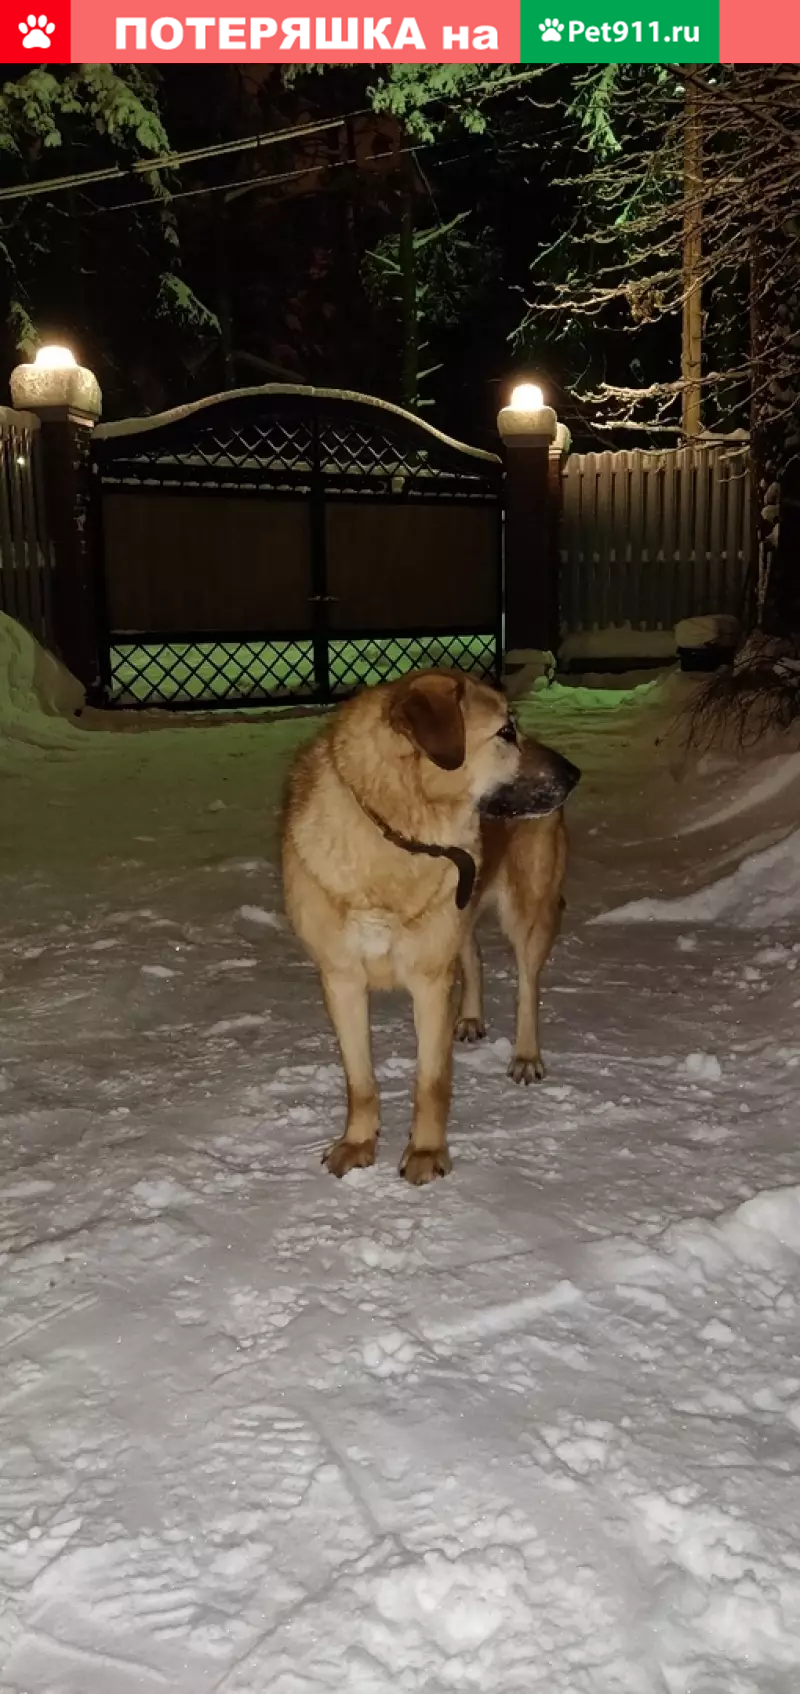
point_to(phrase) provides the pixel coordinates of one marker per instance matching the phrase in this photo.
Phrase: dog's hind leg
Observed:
(470, 1024)
(532, 943)
(347, 1001)
(426, 1155)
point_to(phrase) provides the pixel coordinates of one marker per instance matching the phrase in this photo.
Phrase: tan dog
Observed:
(388, 857)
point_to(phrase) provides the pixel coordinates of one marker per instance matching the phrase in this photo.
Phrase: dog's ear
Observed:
(427, 710)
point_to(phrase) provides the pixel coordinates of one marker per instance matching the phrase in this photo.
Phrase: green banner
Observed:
(617, 32)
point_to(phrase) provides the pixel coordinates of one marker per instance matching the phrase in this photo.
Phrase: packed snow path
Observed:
(536, 1427)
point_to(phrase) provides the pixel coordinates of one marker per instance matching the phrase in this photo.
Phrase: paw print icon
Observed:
(551, 29)
(36, 32)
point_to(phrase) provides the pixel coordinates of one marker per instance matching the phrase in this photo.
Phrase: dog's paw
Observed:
(470, 1029)
(419, 1167)
(346, 1156)
(526, 1070)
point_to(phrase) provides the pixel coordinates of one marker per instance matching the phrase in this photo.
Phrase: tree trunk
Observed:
(692, 327)
(775, 418)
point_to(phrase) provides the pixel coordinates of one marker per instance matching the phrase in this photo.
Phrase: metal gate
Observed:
(280, 544)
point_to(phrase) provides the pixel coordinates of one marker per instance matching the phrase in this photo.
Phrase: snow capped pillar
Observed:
(530, 432)
(55, 386)
(67, 400)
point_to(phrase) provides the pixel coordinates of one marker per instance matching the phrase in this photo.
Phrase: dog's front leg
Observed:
(347, 1000)
(426, 1155)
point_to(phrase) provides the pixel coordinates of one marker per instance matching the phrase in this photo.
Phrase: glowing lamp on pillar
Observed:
(526, 415)
(526, 397)
(55, 384)
(55, 358)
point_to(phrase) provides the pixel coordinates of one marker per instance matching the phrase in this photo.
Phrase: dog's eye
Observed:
(508, 731)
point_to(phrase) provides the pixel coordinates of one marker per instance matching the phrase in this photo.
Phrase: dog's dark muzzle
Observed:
(544, 782)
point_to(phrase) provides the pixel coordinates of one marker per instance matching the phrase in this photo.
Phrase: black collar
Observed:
(458, 856)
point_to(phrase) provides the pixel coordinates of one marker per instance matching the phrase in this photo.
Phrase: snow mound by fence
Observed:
(763, 892)
(38, 697)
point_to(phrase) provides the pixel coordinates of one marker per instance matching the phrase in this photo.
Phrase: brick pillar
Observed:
(531, 574)
(66, 398)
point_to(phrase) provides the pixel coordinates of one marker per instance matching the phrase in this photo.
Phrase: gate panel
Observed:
(411, 568)
(411, 588)
(239, 564)
(285, 542)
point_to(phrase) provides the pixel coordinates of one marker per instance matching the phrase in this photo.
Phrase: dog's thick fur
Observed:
(417, 759)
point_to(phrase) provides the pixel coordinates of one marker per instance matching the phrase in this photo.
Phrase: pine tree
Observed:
(72, 265)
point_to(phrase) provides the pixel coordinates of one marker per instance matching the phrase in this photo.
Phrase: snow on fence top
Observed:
(277, 390)
(10, 418)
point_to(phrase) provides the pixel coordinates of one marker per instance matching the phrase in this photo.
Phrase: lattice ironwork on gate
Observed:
(281, 544)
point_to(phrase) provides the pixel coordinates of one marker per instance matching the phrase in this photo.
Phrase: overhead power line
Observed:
(247, 143)
(174, 161)
(237, 185)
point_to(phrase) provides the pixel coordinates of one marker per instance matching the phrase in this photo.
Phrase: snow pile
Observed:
(703, 1067)
(566, 698)
(763, 891)
(763, 1233)
(37, 694)
(719, 631)
(751, 792)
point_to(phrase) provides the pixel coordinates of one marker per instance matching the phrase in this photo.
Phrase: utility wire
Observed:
(325, 166)
(268, 138)
(173, 161)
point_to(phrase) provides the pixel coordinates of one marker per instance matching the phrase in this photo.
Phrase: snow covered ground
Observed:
(533, 1428)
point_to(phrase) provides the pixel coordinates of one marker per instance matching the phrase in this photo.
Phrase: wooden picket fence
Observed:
(648, 538)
